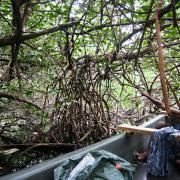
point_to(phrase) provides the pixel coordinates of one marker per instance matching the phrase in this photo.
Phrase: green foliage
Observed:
(82, 54)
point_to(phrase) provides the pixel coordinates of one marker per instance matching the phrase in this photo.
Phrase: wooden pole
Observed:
(161, 60)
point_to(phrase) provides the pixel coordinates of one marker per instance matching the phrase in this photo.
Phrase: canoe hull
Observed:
(122, 145)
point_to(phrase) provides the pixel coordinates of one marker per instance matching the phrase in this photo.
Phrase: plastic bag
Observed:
(88, 160)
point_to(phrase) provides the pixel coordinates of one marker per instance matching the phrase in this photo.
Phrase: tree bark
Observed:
(161, 60)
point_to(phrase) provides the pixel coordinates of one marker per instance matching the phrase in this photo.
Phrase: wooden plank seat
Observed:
(136, 129)
(142, 130)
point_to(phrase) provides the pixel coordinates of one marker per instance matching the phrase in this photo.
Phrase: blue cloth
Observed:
(176, 126)
(157, 162)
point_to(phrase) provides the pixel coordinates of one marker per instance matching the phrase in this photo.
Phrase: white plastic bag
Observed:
(86, 161)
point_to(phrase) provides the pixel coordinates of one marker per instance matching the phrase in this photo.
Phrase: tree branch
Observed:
(65, 146)
(161, 59)
(16, 98)
(160, 104)
(8, 40)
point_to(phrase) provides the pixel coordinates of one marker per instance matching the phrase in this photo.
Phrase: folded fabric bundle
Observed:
(157, 162)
